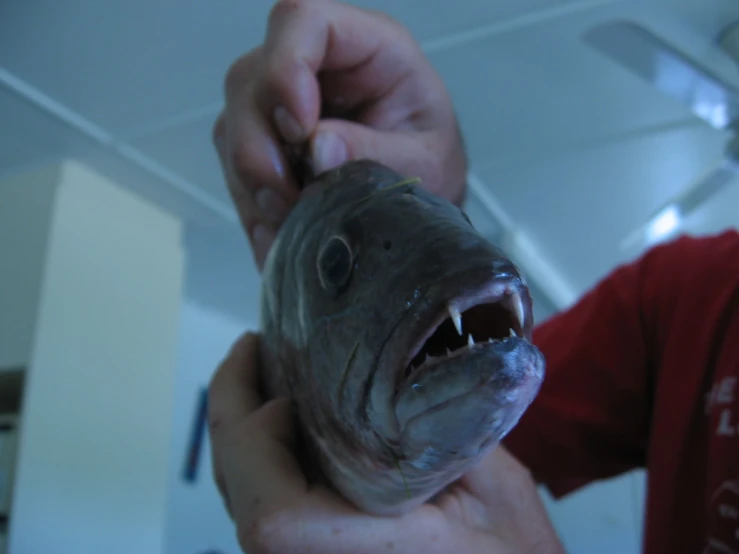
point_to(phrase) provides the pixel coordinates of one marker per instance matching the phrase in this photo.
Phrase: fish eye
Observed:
(335, 262)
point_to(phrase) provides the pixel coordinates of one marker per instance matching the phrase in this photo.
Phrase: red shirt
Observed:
(642, 372)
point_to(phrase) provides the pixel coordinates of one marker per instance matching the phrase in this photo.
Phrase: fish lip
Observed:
(494, 289)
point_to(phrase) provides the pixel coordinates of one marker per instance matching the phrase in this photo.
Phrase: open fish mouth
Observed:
(493, 314)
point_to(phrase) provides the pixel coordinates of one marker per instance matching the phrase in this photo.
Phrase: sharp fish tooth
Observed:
(470, 341)
(456, 318)
(512, 332)
(448, 352)
(490, 340)
(517, 304)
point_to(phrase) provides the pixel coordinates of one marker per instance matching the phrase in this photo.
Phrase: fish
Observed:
(400, 334)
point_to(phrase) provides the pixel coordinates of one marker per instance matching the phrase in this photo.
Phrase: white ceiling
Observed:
(576, 150)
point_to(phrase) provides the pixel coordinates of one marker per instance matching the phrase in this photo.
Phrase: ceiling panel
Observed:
(128, 65)
(579, 206)
(430, 23)
(520, 95)
(30, 137)
(187, 148)
(539, 89)
(718, 214)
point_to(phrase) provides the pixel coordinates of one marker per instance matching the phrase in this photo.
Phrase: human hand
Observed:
(343, 83)
(494, 509)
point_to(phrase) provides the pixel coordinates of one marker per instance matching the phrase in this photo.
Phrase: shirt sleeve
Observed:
(591, 418)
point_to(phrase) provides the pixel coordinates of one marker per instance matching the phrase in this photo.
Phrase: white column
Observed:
(95, 424)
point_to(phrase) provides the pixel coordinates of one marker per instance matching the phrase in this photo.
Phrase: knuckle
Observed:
(234, 75)
(240, 71)
(285, 8)
(279, 78)
(243, 162)
(401, 32)
(281, 67)
(390, 21)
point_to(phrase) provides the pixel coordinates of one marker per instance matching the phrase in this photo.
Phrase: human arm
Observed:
(608, 373)
(345, 83)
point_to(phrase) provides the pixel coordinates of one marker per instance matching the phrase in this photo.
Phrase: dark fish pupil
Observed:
(336, 262)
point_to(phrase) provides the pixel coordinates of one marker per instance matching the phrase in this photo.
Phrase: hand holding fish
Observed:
(398, 413)
(494, 508)
(338, 83)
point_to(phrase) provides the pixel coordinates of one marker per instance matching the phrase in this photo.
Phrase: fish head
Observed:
(418, 331)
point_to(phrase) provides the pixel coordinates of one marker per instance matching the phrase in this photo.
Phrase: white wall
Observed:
(96, 420)
(196, 519)
(26, 202)
(605, 517)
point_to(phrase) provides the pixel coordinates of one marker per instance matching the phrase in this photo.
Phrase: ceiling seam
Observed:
(178, 119)
(509, 25)
(87, 128)
(581, 147)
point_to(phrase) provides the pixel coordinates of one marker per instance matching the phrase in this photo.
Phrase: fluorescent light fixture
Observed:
(664, 223)
(715, 113)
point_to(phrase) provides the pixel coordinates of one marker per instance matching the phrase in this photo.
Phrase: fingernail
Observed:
(329, 151)
(288, 126)
(270, 203)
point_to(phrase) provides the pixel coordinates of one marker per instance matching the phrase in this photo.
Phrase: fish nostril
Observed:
(387, 245)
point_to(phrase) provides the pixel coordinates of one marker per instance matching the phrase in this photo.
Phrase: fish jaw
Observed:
(481, 303)
(467, 380)
(453, 409)
(451, 413)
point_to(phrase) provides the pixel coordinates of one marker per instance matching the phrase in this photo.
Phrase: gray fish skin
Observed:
(361, 273)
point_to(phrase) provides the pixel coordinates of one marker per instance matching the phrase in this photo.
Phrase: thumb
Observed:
(408, 152)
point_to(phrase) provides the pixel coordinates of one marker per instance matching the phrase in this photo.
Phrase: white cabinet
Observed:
(90, 292)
